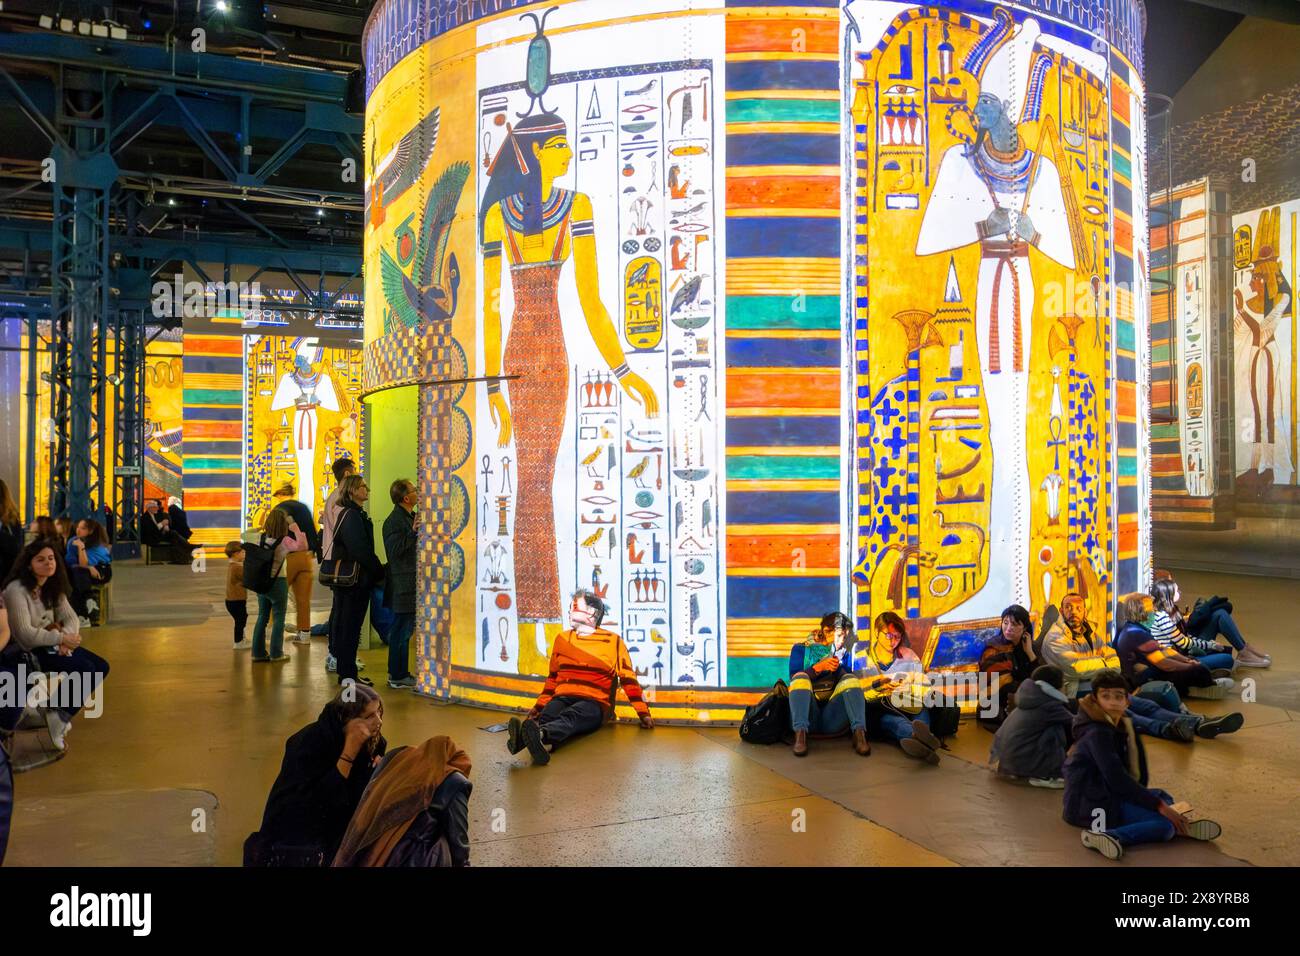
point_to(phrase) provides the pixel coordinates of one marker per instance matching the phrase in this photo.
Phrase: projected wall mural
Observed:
(1264, 347)
(301, 413)
(737, 317)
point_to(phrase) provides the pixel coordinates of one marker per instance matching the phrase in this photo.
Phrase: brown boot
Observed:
(860, 745)
(801, 743)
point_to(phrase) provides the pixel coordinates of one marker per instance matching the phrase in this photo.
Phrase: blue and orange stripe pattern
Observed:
(214, 431)
(783, 339)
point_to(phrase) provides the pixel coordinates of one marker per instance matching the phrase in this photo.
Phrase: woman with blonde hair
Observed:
(298, 570)
(284, 536)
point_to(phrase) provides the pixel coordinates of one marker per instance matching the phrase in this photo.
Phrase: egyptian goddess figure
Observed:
(538, 225)
(305, 389)
(1259, 360)
(995, 191)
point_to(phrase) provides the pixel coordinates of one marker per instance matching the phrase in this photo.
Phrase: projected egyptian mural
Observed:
(737, 317)
(1264, 343)
(302, 414)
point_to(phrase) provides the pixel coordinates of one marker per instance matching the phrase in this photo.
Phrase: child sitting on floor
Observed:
(1106, 789)
(1032, 741)
(236, 593)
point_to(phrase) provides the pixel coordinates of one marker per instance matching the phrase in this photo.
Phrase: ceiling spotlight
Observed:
(46, 21)
(114, 380)
(320, 212)
(222, 6)
(83, 27)
(118, 33)
(171, 201)
(99, 29)
(65, 24)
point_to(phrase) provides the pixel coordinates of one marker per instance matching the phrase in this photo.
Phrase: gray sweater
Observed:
(30, 620)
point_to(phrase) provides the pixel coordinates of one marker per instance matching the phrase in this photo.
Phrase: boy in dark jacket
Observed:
(1106, 789)
(1034, 737)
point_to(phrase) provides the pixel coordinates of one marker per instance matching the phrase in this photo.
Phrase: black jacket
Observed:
(1033, 739)
(11, 545)
(311, 802)
(1097, 774)
(180, 522)
(301, 515)
(401, 543)
(354, 540)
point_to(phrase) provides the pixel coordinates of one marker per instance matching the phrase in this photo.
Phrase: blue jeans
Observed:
(845, 709)
(399, 643)
(1216, 661)
(1140, 825)
(1152, 718)
(895, 726)
(271, 604)
(1220, 622)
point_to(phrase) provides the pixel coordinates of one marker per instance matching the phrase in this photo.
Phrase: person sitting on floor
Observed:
(1142, 659)
(415, 812)
(825, 697)
(1012, 657)
(43, 622)
(1073, 646)
(326, 768)
(1197, 636)
(89, 564)
(1106, 789)
(892, 679)
(588, 666)
(1032, 741)
(11, 712)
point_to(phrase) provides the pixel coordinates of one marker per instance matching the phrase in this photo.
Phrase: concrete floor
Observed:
(177, 769)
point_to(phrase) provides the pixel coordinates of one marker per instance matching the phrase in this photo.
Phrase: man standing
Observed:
(401, 543)
(1073, 646)
(588, 665)
(329, 519)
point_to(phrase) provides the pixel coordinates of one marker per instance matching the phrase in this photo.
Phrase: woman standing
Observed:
(282, 535)
(1198, 635)
(890, 673)
(11, 530)
(89, 563)
(42, 621)
(354, 540)
(539, 224)
(299, 570)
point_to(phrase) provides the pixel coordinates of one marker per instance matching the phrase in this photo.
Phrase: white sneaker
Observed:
(1047, 783)
(83, 620)
(243, 645)
(302, 637)
(331, 664)
(1216, 691)
(361, 665)
(58, 728)
(91, 605)
(1103, 843)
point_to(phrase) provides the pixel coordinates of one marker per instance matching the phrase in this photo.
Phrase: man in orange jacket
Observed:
(588, 666)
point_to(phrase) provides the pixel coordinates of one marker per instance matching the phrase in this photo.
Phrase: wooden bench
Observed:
(149, 558)
(102, 594)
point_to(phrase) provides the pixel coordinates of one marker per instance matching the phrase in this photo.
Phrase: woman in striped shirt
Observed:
(1198, 638)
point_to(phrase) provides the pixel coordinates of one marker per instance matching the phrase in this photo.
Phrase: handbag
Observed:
(339, 573)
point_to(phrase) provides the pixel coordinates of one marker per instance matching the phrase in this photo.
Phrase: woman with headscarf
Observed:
(415, 812)
(325, 770)
(538, 225)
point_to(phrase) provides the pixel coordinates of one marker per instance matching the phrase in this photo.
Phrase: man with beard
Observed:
(1072, 645)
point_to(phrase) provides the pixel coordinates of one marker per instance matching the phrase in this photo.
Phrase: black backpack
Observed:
(768, 721)
(259, 562)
